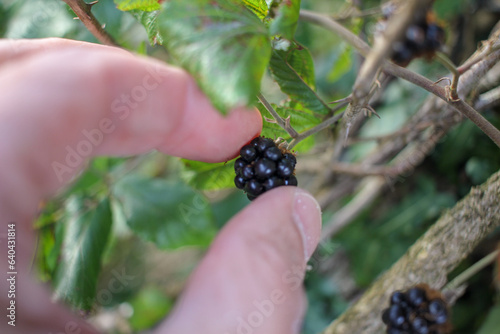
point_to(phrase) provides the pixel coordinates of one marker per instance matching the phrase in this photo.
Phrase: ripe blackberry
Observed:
(422, 38)
(262, 166)
(419, 310)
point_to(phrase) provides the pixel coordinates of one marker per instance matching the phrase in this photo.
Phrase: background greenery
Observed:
(123, 214)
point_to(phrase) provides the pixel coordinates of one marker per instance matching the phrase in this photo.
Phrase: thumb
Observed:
(250, 281)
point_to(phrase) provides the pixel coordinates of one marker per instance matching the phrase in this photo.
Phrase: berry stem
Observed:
(84, 12)
(323, 125)
(471, 271)
(284, 123)
(448, 63)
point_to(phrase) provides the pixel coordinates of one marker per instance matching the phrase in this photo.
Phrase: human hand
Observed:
(54, 90)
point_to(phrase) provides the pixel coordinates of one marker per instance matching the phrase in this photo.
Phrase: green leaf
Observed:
(342, 64)
(150, 21)
(170, 214)
(293, 70)
(150, 306)
(223, 45)
(285, 19)
(85, 239)
(146, 5)
(208, 176)
(301, 120)
(259, 7)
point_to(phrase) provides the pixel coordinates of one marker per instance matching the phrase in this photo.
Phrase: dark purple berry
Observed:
(273, 182)
(438, 310)
(239, 181)
(248, 153)
(434, 38)
(254, 187)
(264, 144)
(405, 327)
(248, 172)
(416, 296)
(420, 326)
(396, 315)
(437, 306)
(401, 54)
(255, 142)
(291, 157)
(239, 164)
(397, 297)
(415, 38)
(284, 168)
(291, 181)
(264, 168)
(395, 331)
(273, 153)
(385, 316)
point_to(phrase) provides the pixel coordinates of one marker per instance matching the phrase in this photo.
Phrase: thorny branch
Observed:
(429, 260)
(395, 28)
(84, 12)
(284, 123)
(408, 75)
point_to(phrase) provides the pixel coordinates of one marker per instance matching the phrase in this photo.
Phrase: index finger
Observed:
(67, 104)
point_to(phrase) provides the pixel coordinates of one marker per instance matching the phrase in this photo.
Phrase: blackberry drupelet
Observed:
(419, 310)
(263, 166)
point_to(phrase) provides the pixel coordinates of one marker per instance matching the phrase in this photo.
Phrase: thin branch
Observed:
(472, 270)
(284, 123)
(487, 47)
(428, 260)
(354, 13)
(401, 132)
(323, 125)
(84, 12)
(488, 99)
(371, 189)
(329, 24)
(490, 130)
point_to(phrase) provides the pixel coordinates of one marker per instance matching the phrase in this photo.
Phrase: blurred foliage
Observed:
(150, 305)
(221, 43)
(173, 204)
(168, 213)
(367, 239)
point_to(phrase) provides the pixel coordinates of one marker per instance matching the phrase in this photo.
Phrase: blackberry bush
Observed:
(262, 166)
(419, 310)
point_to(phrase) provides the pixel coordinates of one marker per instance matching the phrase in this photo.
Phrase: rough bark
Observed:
(450, 240)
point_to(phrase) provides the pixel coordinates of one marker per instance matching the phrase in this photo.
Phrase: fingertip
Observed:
(204, 134)
(307, 217)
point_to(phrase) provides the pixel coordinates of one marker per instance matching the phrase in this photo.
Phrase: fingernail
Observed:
(307, 217)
